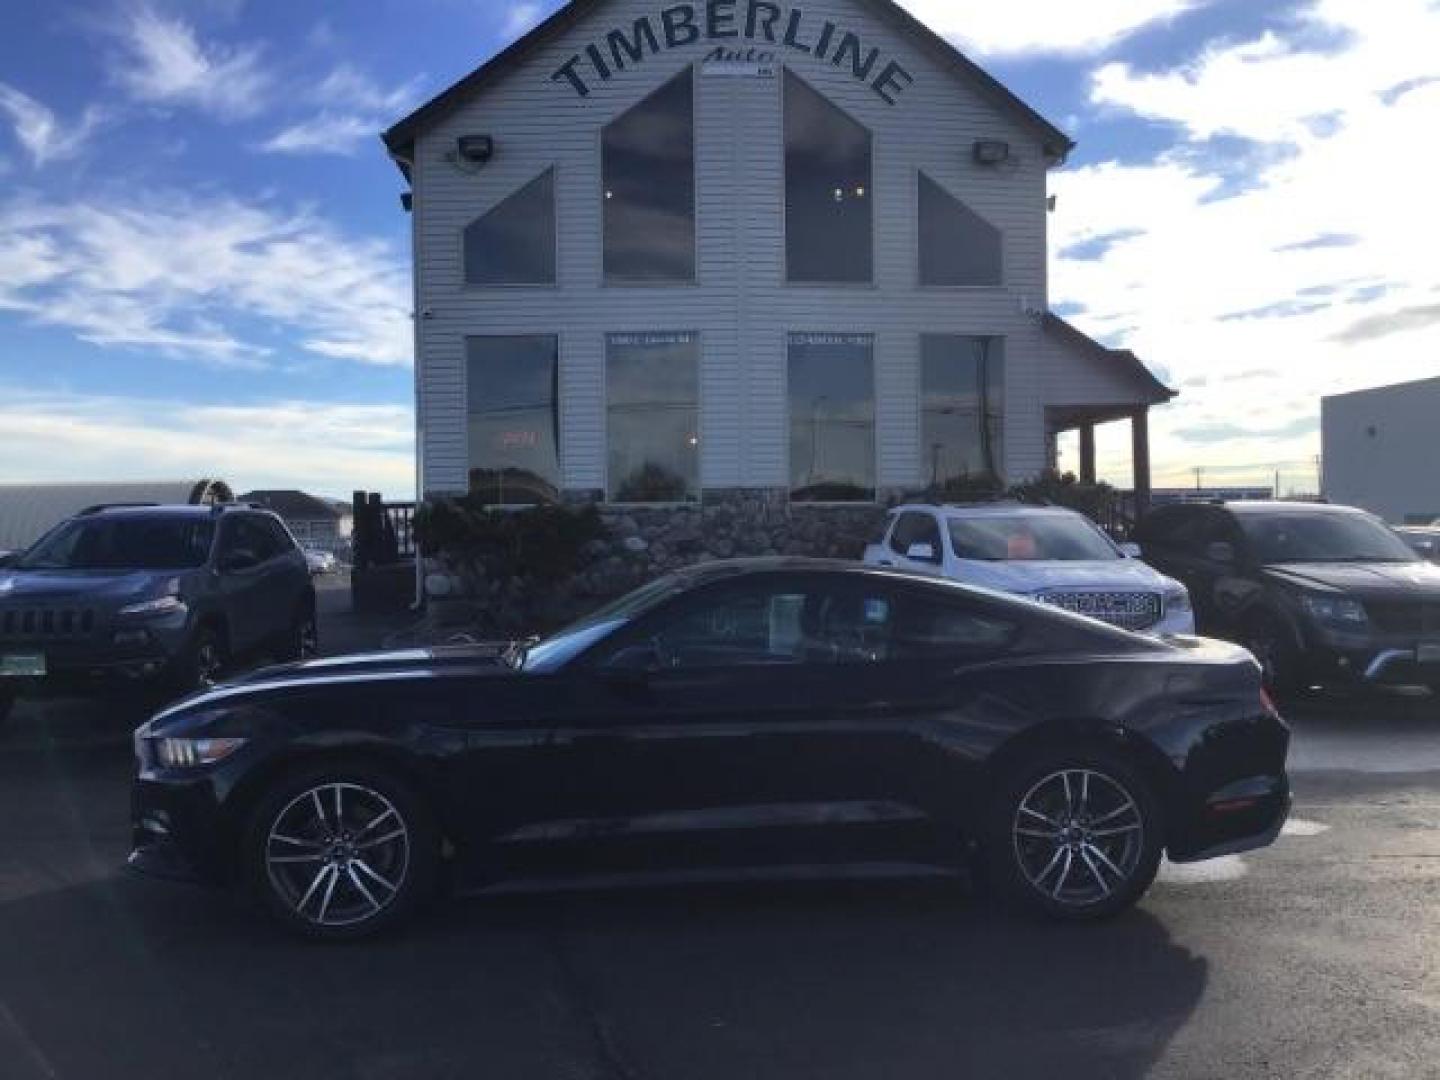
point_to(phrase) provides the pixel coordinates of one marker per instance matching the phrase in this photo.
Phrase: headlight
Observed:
(1177, 600)
(1334, 609)
(163, 605)
(190, 753)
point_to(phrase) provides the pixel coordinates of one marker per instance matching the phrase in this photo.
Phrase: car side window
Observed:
(916, 528)
(249, 534)
(280, 536)
(782, 625)
(929, 629)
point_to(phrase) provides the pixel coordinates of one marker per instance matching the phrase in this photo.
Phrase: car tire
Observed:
(1073, 834)
(204, 662)
(341, 852)
(1272, 644)
(302, 639)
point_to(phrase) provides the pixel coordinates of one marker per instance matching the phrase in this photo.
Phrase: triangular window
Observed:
(957, 246)
(514, 244)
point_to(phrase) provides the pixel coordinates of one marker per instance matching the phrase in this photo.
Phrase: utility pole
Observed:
(1199, 477)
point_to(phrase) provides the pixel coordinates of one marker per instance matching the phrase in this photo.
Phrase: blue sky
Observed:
(204, 268)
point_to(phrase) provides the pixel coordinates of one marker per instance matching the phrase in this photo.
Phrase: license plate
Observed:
(1428, 654)
(22, 665)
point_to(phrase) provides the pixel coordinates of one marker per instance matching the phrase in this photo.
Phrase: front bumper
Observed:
(177, 831)
(147, 653)
(1373, 658)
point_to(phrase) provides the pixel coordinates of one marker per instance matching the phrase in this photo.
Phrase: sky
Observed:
(204, 268)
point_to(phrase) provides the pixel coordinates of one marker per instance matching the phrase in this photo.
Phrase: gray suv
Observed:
(159, 596)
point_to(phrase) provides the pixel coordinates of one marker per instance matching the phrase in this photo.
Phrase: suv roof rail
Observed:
(101, 507)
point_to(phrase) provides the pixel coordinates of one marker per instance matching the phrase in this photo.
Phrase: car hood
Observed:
(88, 586)
(484, 661)
(1417, 580)
(1111, 575)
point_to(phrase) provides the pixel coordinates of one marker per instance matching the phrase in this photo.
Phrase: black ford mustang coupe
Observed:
(778, 717)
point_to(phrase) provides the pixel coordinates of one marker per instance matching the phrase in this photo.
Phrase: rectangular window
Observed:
(962, 407)
(653, 389)
(514, 428)
(832, 417)
(648, 157)
(514, 243)
(829, 195)
(958, 248)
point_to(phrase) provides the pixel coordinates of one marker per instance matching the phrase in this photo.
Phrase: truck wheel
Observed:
(1273, 646)
(301, 640)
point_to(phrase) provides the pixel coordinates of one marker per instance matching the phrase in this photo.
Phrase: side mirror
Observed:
(9, 558)
(239, 559)
(1131, 551)
(922, 553)
(1220, 552)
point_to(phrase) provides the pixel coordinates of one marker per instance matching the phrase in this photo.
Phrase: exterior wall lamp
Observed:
(991, 152)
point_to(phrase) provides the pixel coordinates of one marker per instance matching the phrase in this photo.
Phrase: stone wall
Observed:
(641, 544)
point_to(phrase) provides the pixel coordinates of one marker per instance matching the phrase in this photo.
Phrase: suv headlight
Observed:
(1177, 599)
(1340, 610)
(192, 753)
(161, 605)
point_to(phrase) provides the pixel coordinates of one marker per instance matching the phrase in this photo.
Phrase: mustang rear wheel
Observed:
(1075, 835)
(341, 853)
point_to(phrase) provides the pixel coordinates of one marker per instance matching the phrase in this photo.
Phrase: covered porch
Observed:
(1104, 386)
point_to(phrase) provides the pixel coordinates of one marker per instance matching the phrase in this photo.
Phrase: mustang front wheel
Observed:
(341, 853)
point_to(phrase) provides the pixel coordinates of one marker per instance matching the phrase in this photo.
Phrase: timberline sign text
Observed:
(682, 25)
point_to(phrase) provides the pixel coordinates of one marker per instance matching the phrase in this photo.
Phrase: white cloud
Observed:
(1266, 278)
(186, 276)
(165, 63)
(327, 133)
(354, 110)
(1018, 27)
(40, 132)
(318, 446)
(520, 18)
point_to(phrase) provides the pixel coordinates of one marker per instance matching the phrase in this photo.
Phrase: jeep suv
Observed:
(1318, 593)
(166, 596)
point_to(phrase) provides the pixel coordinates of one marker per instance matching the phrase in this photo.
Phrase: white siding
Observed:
(741, 304)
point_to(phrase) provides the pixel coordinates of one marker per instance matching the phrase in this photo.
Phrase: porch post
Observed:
(1140, 456)
(1087, 453)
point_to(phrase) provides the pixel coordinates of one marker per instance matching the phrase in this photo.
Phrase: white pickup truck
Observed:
(1049, 554)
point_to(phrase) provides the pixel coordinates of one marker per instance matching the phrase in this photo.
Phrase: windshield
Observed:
(1320, 537)
(559, 649)
(123, 543)
(1030, 538)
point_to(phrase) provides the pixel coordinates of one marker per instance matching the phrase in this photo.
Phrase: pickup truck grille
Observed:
(1406, 617)
(46, 623)
(1127, 610)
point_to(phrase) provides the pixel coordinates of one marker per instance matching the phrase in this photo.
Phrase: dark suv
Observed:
(1318, 593)
(164, 596)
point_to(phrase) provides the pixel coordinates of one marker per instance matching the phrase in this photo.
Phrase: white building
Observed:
(1380, 451)
(668, 251)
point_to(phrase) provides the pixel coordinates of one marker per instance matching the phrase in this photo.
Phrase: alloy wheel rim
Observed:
(1078, 836)
(337, 855)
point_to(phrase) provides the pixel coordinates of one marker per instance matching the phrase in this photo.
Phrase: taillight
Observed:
(1269, 702)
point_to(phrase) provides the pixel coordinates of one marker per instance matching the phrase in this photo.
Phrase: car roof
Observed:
(995, 509)
(1278, 507)
(176, 510)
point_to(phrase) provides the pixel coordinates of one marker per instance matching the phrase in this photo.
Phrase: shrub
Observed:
(546, 543)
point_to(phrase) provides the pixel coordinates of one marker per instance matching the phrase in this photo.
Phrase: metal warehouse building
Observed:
(1380, 448)
(674, 252)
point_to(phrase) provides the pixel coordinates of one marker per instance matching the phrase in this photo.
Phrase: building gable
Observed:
(740, 31)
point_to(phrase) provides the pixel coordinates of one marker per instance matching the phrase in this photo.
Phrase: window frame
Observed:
(699, 498)
(474, 286)
(786, 280)
(560, 409)
(874, 499)
(606, 281)
(922, 174)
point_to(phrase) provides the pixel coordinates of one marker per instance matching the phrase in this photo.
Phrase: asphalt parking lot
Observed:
(1319, 957)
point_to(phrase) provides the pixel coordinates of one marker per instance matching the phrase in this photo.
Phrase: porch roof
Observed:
(1148, 389)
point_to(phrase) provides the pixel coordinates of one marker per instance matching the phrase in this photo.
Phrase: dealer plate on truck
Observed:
(22, 665)
(1428, 654)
